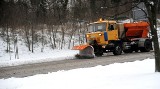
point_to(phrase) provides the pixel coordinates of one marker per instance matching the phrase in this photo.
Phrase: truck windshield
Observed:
(97, 27)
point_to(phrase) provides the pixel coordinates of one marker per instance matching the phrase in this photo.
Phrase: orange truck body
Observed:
(139, 29)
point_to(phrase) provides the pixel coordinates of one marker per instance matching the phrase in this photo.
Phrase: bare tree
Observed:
(27, 35)
(16, 47)
(32, 38)
(53, 35)
(71, 32)
(151, 6)
(63, 30)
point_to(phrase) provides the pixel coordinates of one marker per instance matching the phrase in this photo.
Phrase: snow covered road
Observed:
(44, 68)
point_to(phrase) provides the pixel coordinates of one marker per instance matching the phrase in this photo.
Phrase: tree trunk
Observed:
(92, 8)
(54, 32)
(51, 34)
(32, 38)
(27, 37)
(16, 48)
(151, 9)
(42, 40)
(70, 39)
(63, 33)
(79, 33)
(7, 39)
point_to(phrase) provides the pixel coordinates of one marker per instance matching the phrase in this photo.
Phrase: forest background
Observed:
(47, 23)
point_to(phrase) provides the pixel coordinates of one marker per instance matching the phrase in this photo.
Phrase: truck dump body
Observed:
(136, 30)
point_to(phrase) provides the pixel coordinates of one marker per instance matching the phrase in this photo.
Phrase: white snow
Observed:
(30, 58)
(38, 57)
(152, 3)
(27, 57)
(129, 75)
(126, 21)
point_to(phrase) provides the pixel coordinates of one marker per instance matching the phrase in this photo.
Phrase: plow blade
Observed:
(85, 51)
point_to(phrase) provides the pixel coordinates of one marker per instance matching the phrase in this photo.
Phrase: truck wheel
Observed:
(98, 54)
(147, 46)
(117, 50)
(128, 51)
(136, 50)
(98, 51)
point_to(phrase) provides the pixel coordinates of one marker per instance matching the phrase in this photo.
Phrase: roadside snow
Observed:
(38, 57)
(27, 57)
(129, 75)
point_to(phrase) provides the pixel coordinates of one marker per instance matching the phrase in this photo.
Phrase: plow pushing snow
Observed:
(110, 36)
(85, 51)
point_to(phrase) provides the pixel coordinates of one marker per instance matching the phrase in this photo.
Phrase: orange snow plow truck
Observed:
(110, 36)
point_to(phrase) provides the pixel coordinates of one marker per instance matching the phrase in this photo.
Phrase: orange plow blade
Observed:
(85, 51)
(79, 47)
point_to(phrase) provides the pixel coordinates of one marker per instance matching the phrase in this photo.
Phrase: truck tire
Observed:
(147, 46)
(117, 50)
(128, 51)
(98, 54)
(98, 51)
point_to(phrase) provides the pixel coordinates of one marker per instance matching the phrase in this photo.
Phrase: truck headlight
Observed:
(87, 36)
(100, 34)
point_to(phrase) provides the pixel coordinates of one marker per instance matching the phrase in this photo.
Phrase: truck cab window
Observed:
(97, 27)
(100, 27)
(110, 27)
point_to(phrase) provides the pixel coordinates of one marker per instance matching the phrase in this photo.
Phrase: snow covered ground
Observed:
(129, 75)
(27, 57)
(38, 57)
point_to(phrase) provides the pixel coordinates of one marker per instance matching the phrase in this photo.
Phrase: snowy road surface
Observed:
(43, 68)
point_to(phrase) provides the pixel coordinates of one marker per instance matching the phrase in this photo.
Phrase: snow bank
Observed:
(30, 58)
(129, 75)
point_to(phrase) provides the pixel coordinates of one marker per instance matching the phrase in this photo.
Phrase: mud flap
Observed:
(85, 51)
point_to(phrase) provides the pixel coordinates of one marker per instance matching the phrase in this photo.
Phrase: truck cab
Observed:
(104, 36)
(102, 32)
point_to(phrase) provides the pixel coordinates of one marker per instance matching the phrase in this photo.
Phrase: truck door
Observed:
(112, 31)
